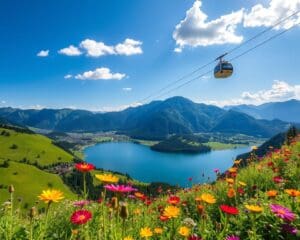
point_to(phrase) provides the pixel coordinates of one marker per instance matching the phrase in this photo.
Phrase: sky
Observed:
(110, 54)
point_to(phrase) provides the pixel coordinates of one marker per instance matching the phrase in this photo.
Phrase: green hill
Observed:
(31, 148)
(28, 182)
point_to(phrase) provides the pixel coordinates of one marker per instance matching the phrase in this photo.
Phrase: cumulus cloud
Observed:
(280, 91)
(268, 15)
(195, 30)
(96, 49)
(70, 51)
(127, 89)
(68, 76)
(100, 74)
(129, 47)
(43, 53)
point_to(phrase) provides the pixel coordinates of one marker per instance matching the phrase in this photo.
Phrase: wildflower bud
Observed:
(200, 209)
(11, 189)
(32, 212)
(124, 211)
(114, 202)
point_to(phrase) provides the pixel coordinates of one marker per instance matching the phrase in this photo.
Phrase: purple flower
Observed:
(282, 212)
(120, 188)
(289, 229)
(81, 203)
(194, 237)
(233, 238)
(216, 170)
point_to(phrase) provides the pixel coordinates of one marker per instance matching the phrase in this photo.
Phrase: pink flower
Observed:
(81, 203)
(216, 170)
(233, 238)
(282, 212)
(81, 217)
(120, 188)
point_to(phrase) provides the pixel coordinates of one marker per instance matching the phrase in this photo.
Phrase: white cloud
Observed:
(68, 76)
(271, 14)
(70, 51)
(36, 107)
(178, 50)
(43, 53)
(117, 108)
(127, 89)
(96, 49)
(100, 74)
(2, 102)
(129, 47)
(195, 30)
(280, 91)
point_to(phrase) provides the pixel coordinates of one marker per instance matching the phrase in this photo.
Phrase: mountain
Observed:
(156, 120)
(288, 111)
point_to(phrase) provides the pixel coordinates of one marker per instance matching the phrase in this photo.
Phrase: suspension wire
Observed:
(211, 62)
(232, 59)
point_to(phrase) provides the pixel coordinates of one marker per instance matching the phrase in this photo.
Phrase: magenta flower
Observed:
(233, 238)
(289, 229)
(194, 237)
(216, 170)
(120, 188)
(81, 203)
(282, 212)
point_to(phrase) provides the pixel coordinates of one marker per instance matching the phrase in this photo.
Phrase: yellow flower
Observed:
(237, 162)
(232, 170)
(230, 180)
(243, 184)
(292, 192)
(128, 238)
(184, 231)
(158, 230)
(50, 195)
(137, 211)
(171, 212)
(254, 208)
(208, 198)
(146, 232)
(107, 178)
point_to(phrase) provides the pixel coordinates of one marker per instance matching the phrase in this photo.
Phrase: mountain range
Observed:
(156, 120)
(288, 111)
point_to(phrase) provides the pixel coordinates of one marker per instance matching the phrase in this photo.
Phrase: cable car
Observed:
(224, 69)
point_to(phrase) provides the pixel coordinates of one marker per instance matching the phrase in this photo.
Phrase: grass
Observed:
(194, 212)
(222, 146)
(29, 182)
(33, 147)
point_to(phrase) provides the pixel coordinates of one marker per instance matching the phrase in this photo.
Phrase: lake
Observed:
(143, 164)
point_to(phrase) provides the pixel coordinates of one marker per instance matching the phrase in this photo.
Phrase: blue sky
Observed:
(106, 55)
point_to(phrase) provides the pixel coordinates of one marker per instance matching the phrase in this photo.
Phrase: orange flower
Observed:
(208, 198)
(200, 209)
(230, 180)
(230, 193)
(292, 192)
(272, 193)
(174, 200)
(232, 170)
(171, 212)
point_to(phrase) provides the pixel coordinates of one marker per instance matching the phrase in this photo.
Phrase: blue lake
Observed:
(141, 163)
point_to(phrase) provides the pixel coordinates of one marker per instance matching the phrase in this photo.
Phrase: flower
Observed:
(184, 231)
(292, 192)
(189, 222)
(289, 229)
(81, 203)
(158, 230)
(200, 209)
(254, 208)
(282, 212)
(107, 178)
(81, 217)
(174, 200)
(230, 193)
(120, 188)
(84, 167)
(229, 180)
(278, 179)
(216, 170)
(171, 212)
(229, 209)
(128, 238)
(194, 237)
(272, 193)
(232, 170)
(254, 148)
(208, 198)
(232, 238)
(51, 195)
(146, 232)
(243, 184)
(237, 162)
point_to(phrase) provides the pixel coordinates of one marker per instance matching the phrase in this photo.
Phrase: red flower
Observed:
(81, 217)
(229, 209)
(174, 200)
(163, 218)
(84, 167)
(278, 179)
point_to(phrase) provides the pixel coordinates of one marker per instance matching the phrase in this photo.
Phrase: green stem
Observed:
(84, 186)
